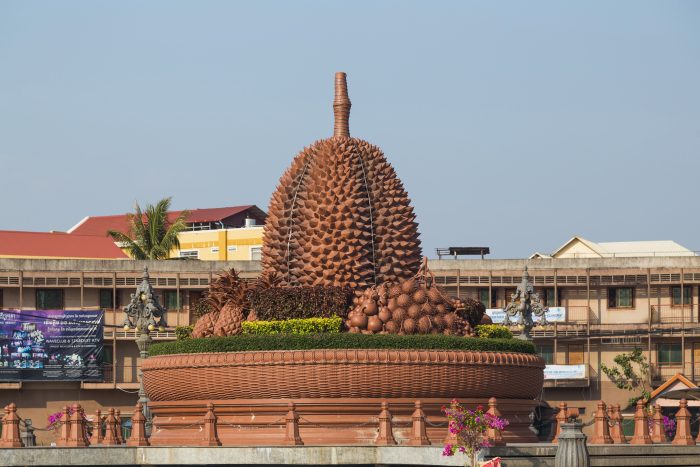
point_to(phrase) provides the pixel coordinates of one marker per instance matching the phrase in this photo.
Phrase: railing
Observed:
(125, 374)
(674, 314)
(661, 373)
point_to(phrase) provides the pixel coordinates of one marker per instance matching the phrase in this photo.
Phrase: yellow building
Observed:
(216, 234)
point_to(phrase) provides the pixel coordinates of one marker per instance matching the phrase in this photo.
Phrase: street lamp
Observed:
(525, 302)
(144, 314)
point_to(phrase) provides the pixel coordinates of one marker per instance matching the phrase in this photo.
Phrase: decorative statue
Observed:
(526, 303)
(144, 313)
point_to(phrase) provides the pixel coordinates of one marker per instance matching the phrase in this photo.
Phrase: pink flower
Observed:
(447, 451)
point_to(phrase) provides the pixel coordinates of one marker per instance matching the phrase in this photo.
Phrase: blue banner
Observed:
(51, 345)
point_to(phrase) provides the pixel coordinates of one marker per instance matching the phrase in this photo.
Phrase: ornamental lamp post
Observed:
(525, 302)
(144, 314)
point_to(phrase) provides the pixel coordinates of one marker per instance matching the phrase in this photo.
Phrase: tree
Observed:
(630, 372)
(151, 235)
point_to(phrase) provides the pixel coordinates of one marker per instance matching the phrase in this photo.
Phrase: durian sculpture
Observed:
(340, 216)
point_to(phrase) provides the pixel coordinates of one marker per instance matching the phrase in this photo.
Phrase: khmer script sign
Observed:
(555, 314)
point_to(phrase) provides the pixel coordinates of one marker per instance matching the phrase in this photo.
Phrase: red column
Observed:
(211, 438)
(138, 428)
(616, 433)
(10, 428)
(561, 418)
(493, 435)
(658, 435)
(386, 434)
(601, 429)
(641, 428)
(64, 434)
(419, 436)
(683, 437)
(96, 437)
(110, 438)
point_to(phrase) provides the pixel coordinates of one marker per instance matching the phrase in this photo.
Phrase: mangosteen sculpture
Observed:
(340, 216)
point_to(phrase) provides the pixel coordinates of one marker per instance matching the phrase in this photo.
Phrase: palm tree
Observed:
(151, 235)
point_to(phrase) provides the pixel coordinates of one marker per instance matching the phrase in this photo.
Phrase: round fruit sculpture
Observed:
(340, 216)
(413, 306)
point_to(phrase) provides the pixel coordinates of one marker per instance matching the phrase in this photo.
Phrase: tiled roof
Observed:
(99, 225)
(57, 245)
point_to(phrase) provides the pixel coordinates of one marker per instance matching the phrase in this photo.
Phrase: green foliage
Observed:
(151, 234)
(184, 332)
(630, 372)
(279, 303)
(294, 326)
(248, 342)
(200, 308)
(493, 331)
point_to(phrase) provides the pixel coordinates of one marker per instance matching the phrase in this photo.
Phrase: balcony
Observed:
(126, 378)
(661, 373)
(674, 314)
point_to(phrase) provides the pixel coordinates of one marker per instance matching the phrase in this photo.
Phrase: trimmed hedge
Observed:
(494, 331)
(294, 326)
(338, 341)
(278, 303)
(184, 332)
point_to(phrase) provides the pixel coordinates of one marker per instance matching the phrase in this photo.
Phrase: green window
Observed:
(49, 299)
(106, 301)
(621, 297)
(670, 354)
(546, 351)
(170, 300)
(687, 295)
(549, 298)
(484, 298)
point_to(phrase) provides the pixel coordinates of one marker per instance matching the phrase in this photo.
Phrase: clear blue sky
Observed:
(512, 124)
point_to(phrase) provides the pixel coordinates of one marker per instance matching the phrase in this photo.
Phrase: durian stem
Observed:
(341, 106)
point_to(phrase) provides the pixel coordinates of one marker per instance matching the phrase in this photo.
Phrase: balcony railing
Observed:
(674, 313)
(661, 373)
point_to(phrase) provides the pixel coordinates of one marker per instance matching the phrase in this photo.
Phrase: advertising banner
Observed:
(51, 345)
(554, 315)
(565, 372)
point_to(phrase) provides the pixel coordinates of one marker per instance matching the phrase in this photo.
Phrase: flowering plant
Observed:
(669, 425)
(468, 429)
(56, 417)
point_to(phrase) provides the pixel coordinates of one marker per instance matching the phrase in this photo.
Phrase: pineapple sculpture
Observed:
(340, 216)
(227, 297)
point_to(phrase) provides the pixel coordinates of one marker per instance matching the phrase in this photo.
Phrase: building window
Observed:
(670, 354)
(483, 294)
(549, 299)
(193, 254)
(687, 295)
(107, 300)
(49, 299)
(621, 297)
(255, 253)
(170, 300)
(546, 351)
(574, 356)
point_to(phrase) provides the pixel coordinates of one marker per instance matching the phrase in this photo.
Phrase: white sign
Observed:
(565, 372)
(555, 314)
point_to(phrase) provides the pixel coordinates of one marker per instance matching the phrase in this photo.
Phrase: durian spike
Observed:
(341, 106)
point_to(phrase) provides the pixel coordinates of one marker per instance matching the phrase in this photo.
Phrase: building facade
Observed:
(610, 306)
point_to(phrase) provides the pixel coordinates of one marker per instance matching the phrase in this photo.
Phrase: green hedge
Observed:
(184, 332)
(338, 341)
(494, 331)
(294, 326)
(278, 303)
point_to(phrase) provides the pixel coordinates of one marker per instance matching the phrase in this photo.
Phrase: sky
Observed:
(514, 125)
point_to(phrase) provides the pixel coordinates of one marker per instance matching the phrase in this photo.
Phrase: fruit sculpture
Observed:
(227, 298)
(413, 306)
(340, 216)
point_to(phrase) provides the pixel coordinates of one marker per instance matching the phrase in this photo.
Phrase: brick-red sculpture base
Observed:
(262, 422)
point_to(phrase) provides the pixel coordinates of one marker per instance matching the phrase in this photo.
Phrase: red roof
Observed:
(99, 225)
(57, 245)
